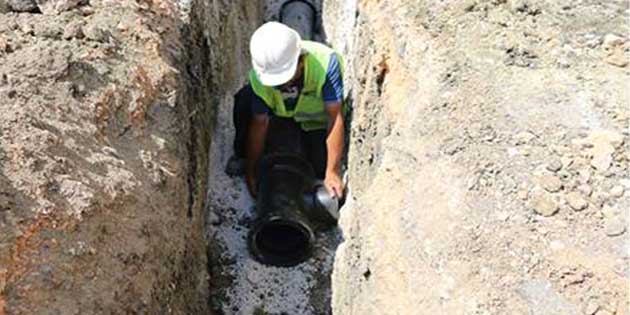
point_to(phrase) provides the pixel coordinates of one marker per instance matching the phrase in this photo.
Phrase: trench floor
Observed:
(239, 284)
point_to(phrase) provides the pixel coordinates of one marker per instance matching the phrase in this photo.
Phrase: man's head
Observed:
(275, 50)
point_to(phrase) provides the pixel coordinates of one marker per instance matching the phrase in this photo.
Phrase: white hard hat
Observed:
(275, 50)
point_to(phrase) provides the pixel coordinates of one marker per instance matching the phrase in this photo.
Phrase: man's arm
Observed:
(334, 145)
(255, 146)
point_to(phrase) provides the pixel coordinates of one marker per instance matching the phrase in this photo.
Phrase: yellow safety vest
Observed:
(310, 108)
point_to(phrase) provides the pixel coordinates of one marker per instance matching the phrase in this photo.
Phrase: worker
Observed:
(296, 84)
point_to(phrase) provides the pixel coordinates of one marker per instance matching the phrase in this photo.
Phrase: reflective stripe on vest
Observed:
(310, 109)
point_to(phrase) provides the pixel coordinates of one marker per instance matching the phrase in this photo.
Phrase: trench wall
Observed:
(474, 167)
(104, 138)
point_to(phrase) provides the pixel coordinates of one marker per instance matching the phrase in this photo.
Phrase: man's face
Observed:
(296, 76)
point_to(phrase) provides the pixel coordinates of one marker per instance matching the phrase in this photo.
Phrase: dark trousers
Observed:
(283, 135)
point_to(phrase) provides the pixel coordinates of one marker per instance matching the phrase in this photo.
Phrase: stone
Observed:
(614, 227)
(545, 205)
(602, 158)
(235, 166)
(73, 30)
(54, 7)
(599, 198)
(27, 29)
(591, 308)
(575, 201)
(48, 30)
(612, 40)
(550, 183)
(586, 190)
(96, 33)
(4, 7)
(554, 165)
(86, 10)
(523, 137)
(605, 136)
(617, 58)
(584, 176)
(214, 218)
(617, 191)
(23, 5)
(603, 142)
(609, 212)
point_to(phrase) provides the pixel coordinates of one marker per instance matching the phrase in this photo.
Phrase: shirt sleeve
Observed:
(332, 91)
(259, 106)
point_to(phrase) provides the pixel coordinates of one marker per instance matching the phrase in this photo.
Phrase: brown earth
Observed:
(488, 162)
(103, 159)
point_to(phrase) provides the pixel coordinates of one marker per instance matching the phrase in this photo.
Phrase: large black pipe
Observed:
(300, 15)
(291, 205)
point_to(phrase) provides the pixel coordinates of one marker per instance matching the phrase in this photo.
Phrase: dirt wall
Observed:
(488, 165)
(104, 135)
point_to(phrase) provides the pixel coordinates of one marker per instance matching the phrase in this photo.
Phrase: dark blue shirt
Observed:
(332, 91)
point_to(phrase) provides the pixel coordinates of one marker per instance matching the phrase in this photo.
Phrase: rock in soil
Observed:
(591, 308)
(615, 227)
(551, 183)
(57, 6)
(555, 165)
(617, 191)
(586, 190)
(545, 205)
(4, 7)
(23, 5)
(576, 201)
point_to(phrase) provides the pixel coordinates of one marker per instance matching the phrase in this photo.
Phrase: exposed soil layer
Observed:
(103, 159)
(488, 160)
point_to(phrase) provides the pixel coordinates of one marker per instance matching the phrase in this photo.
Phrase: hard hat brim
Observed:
(278, 76)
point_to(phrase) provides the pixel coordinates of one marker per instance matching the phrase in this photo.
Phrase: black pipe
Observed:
(300, 15)
(291, 205)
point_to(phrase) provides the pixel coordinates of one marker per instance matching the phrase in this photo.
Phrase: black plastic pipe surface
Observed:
(291, 205)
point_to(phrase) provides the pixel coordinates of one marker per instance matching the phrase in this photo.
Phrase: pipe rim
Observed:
(264, 256)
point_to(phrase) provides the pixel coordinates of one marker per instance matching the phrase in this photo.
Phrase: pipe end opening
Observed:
(281, 243)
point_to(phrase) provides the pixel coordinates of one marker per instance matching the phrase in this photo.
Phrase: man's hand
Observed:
(334, 184)
(334, 146)
(255, 146)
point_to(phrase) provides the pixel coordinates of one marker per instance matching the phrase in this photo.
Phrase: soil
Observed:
(488, 160)
(102, 161)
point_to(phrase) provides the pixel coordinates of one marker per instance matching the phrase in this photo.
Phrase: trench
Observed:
(239, 284)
